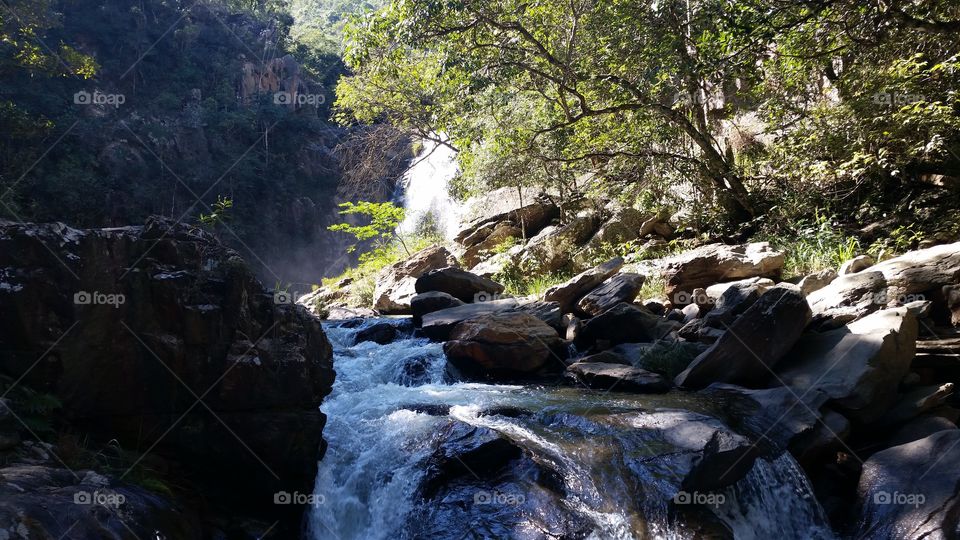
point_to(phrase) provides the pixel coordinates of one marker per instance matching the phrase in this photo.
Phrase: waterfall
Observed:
(425, 189)
(587, 467)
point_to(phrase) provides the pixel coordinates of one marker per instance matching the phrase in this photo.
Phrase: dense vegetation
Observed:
(728, 111)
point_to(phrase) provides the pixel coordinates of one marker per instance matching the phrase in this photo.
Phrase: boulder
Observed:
(429, 302)
(715, 292)
(482, 250)
(619, 288)
(715, 263)
(137, 324)
(466, 450)
(548, 312)
(705, 453)
(568, 292)
(858, 366)
(608, 377)
(918, 401)
(501, 345)
(668, 358)
(381, 333)
(624, 323)
(438, 324)
(736, 299)
(459, 284)
(531, 212)
(497, 263)
(951, 295)
(856, 264)
(911, 490)
(754, 343)
(848, 297)
(396, 284)
(41, 501)
(817, 280)
(605, 357)
(919, 428)
(552, 249)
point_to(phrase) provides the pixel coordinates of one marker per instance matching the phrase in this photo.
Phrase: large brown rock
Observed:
(159, 334)
(754, 343)
(458, 283)
(496, 236)
(716, 263)
(396, 284)
(501, 345)
(568, 292)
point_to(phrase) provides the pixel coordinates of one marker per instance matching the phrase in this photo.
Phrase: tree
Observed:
(384, 219)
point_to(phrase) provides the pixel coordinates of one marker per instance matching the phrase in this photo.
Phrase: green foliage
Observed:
(384, 219)
(813, 245)
(219, 212)
(519, 280)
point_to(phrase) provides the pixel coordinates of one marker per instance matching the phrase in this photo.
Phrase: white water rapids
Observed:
(390, 406)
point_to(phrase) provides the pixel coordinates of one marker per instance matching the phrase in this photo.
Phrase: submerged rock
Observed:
(615, 376)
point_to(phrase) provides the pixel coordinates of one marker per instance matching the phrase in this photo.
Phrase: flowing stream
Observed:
(593, 464)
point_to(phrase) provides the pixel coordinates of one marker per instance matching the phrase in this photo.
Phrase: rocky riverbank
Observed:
(187, 394)
(852, 370)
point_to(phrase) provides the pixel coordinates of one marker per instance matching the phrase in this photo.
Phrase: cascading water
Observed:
(425, 189)
(592, 465)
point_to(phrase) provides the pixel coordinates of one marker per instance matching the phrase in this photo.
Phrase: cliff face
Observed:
(161, 338)
(223, 104)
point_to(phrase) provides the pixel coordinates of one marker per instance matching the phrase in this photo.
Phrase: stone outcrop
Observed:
(458, 283)
(858, 366)
(396, 284)
(160, 335)
(620, 288)
(569, 292)
(716, 263)
(624, 323)
(754, 343)
(553, 248)
(910, 491)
